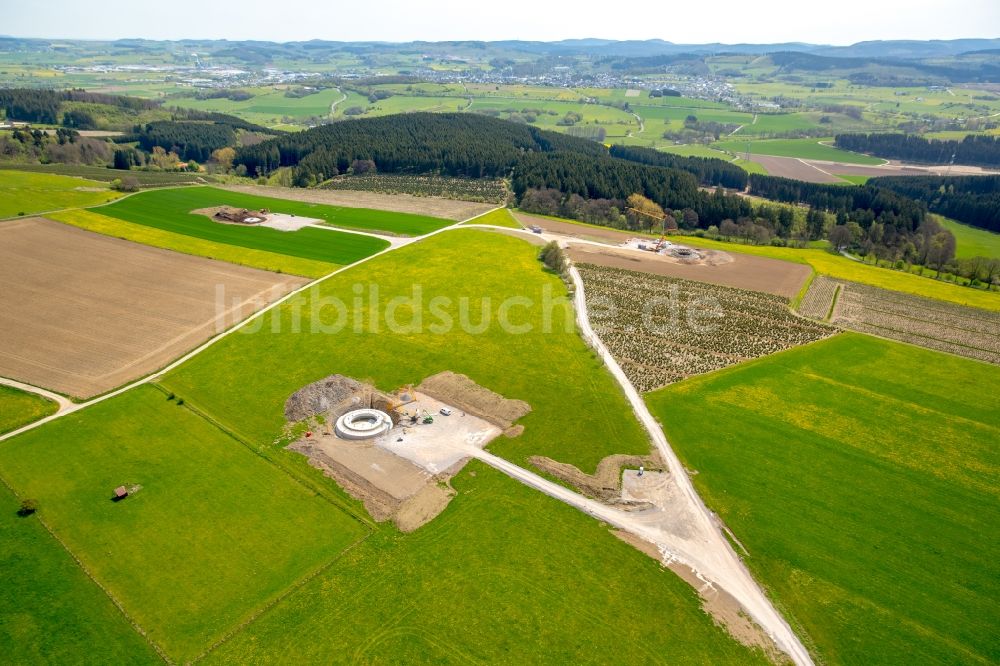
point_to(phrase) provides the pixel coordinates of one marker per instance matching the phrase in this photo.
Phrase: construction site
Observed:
(256, 218)
(396, 452)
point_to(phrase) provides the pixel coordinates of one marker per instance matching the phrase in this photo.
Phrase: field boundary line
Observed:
(833, 302)
(197, 411)
(287, 592)
(83, 567)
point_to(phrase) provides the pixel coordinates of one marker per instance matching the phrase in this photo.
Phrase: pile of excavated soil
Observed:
(605, 483)
(460, 391)
(323, 396)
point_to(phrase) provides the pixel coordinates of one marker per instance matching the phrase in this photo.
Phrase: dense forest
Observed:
(863, 203)
(974, 200)
(193, 135)
(708, 170)
(603, 177)
(43, 106)
(452, 144)
(976, 150)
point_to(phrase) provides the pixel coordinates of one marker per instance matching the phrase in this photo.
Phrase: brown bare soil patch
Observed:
(605, 483)
(745, 271)
(84, 313)
(821, 171)
(448, 209)
(390, 487)
(792, 167)
(467, 395)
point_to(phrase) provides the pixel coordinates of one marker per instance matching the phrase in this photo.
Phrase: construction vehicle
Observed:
(662, 241)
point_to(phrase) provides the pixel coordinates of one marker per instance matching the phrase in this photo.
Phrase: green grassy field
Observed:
(214, 533)
(972, 241)
(268, 106)
(854, 180)
(862, 476)
(105, 175)
(27, 193)
(91, 220)
(180, 202)
(809, 149)
(170, 210)
(18, 408)
(504, 575)
(500, 217)
(481, 268)
(52, 613)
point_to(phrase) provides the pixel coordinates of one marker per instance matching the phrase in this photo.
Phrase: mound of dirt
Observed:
(605, 483)
(460, 391)
(328, 394)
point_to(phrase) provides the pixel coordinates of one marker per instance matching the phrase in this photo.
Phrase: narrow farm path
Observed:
(333, 107)
(701, 544)
(65, 404)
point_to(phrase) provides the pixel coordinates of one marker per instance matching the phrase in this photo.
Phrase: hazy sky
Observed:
(681, 21)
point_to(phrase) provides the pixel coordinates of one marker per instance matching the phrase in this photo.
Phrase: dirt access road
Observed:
(84, 313)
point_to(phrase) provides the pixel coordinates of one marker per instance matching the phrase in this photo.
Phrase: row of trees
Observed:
(973, 149)
(709, 171)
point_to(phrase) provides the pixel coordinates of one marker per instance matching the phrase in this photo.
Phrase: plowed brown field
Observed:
(84, 313)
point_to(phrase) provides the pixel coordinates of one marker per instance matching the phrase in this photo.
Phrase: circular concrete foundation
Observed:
(363, 424)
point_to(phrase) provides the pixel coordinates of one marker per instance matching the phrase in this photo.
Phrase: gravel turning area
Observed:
(448, 209)
(85, 313)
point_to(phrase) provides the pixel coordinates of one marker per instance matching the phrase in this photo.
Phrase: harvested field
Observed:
(793, 167)
(85, 313)
(662, 329)
(400, 203)
(744, 271)
(921, 321)
(822, 171)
